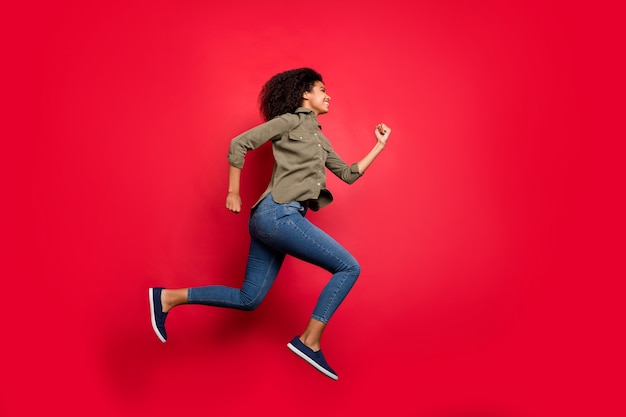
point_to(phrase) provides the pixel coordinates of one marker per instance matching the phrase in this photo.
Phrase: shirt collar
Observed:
(311, 113)
(303, 110)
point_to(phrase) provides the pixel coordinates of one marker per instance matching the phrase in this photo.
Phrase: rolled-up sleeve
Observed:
(336, 165)
(257, 136)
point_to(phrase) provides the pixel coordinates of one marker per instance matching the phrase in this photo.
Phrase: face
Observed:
(316, 99)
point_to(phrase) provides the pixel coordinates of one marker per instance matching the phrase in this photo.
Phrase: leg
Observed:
(296, 236)
(320, 249)
(261, 270)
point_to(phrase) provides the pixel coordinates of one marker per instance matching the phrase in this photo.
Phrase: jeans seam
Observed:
(345, 268)
(258, 294)
(241, 305)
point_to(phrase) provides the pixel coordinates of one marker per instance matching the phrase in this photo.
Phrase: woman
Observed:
(290, 102)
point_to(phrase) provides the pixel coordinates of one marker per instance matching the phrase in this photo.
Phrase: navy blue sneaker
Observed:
(314, 358)
(157, 316)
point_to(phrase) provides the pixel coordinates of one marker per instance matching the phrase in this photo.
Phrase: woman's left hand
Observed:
(382, 133)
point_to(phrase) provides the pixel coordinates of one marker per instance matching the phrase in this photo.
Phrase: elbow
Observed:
(352, 177)
(351, 174)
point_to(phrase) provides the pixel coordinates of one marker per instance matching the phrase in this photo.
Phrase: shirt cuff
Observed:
(236, 161)
(354, 168)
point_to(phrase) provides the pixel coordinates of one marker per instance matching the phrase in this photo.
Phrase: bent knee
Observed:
(355, 269)
(250, 306)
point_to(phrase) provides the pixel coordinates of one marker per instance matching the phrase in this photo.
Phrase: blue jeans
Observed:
(277, 230)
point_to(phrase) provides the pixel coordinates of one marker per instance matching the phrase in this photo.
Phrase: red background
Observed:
(490, 230)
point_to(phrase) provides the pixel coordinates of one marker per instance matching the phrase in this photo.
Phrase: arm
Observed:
(251, 140)
(350, 173)
(382, 133)
(233, 200)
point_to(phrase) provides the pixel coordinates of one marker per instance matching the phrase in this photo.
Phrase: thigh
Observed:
(283, 228)
(263, 264)
(298, 237)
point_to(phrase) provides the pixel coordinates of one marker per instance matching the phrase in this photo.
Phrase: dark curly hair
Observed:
(283, 92)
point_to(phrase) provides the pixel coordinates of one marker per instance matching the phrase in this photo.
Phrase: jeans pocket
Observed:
(263, 223)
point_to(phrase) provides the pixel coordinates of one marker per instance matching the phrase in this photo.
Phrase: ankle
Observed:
(165, 304)
(310, 341)
(171, 298)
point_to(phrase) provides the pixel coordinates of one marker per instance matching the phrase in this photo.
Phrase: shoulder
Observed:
(299, 119)
(290, 119)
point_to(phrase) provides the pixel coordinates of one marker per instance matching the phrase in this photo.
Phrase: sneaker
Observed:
(157, 315)
(314, 358)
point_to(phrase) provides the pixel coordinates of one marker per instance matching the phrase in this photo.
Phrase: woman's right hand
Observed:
(233, 202)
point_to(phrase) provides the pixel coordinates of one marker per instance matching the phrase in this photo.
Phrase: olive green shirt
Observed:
(301, 152)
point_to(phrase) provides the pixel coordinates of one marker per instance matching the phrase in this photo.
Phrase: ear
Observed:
(305, 95)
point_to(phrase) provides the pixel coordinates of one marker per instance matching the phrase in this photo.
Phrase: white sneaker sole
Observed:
(152, 317)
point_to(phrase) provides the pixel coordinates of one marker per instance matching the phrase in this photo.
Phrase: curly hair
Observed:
(283, 92)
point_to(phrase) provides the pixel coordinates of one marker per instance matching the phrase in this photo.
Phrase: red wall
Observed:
(485, 230)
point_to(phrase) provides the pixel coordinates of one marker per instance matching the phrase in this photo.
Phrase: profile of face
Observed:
(316, 99)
